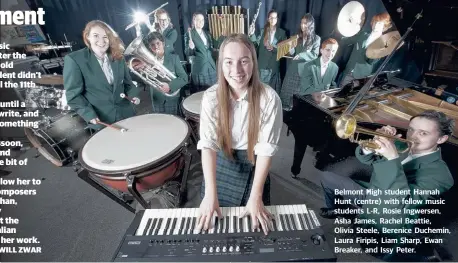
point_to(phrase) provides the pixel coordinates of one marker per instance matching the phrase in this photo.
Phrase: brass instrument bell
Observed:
(346, 127)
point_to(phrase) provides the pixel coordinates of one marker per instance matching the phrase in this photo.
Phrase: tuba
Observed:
(346, 127)
(153, 73)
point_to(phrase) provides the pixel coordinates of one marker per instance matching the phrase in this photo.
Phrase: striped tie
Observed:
(106, 67)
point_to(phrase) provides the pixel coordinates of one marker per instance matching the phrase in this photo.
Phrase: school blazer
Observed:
(88, 92)
(170, 36)
(203, 55)
(268, 59)
(305, 55)
(173, 64)
(311, 80)
(361, 65)
(428, 172)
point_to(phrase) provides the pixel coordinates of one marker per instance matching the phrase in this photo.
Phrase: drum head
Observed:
(193, 102)
(149, 139)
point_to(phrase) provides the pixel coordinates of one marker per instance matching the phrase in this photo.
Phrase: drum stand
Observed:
(84, 174)
(131, 180)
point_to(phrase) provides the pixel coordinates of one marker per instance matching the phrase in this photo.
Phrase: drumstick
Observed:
(287, 57)
(136, 102)
(111, 126)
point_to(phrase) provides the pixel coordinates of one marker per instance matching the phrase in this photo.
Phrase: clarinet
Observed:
(255, 16)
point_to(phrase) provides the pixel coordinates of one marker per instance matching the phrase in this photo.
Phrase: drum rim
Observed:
(191, 115)
(64, 157)
(182, 102)
(141, 169)
(36, 143)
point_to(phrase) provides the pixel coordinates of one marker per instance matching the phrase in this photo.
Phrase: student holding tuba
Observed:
(165, 96)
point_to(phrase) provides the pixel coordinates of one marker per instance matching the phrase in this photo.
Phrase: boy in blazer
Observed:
(320, 74)
(95, 76)
(316, 75)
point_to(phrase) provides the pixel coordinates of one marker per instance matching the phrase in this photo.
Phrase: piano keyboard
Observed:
(163, 235)
(184, 221)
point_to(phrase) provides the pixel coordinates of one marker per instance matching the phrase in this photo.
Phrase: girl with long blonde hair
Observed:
(240, 126)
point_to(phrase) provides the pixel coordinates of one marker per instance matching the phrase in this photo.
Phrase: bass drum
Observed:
(60, 138)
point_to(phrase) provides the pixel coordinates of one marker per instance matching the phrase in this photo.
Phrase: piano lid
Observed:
(439, 21)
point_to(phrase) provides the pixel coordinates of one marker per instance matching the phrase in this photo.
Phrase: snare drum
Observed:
(191, 110)
(151, 150)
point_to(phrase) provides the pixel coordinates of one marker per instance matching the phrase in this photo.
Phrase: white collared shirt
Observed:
(202, 36)
(272, 36)
(324, 66)
(409, 158)
(271, 122)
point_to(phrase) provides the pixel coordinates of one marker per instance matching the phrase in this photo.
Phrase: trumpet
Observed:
(346, 127)
(153, 69)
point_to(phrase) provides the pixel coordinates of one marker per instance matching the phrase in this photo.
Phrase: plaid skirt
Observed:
(271, 79)
(204, 80)
(234, 179)
(169, 106)
(291, 86)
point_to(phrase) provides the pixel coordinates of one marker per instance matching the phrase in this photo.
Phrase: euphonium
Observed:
(153, 69)
(346, 126)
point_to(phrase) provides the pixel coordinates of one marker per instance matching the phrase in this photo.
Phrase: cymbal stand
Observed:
(68, 43)
(52, 44)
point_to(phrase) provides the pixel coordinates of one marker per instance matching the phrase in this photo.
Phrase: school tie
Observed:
(106, 68)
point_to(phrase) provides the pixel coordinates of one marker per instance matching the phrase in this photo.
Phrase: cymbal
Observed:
(351, 19)
(49, 80)
(383, 45)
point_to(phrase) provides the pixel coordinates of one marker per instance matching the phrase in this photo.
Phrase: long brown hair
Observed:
(254, 93)
(310, 36)
(268, 27)
(116, 48)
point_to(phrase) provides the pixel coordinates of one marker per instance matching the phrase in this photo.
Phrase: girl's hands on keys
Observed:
(208, 207)
(259, 214)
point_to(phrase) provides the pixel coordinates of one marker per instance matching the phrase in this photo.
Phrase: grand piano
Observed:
(392, 100)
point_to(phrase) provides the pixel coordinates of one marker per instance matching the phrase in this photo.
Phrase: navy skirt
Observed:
(234, 179)
(204, 80)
